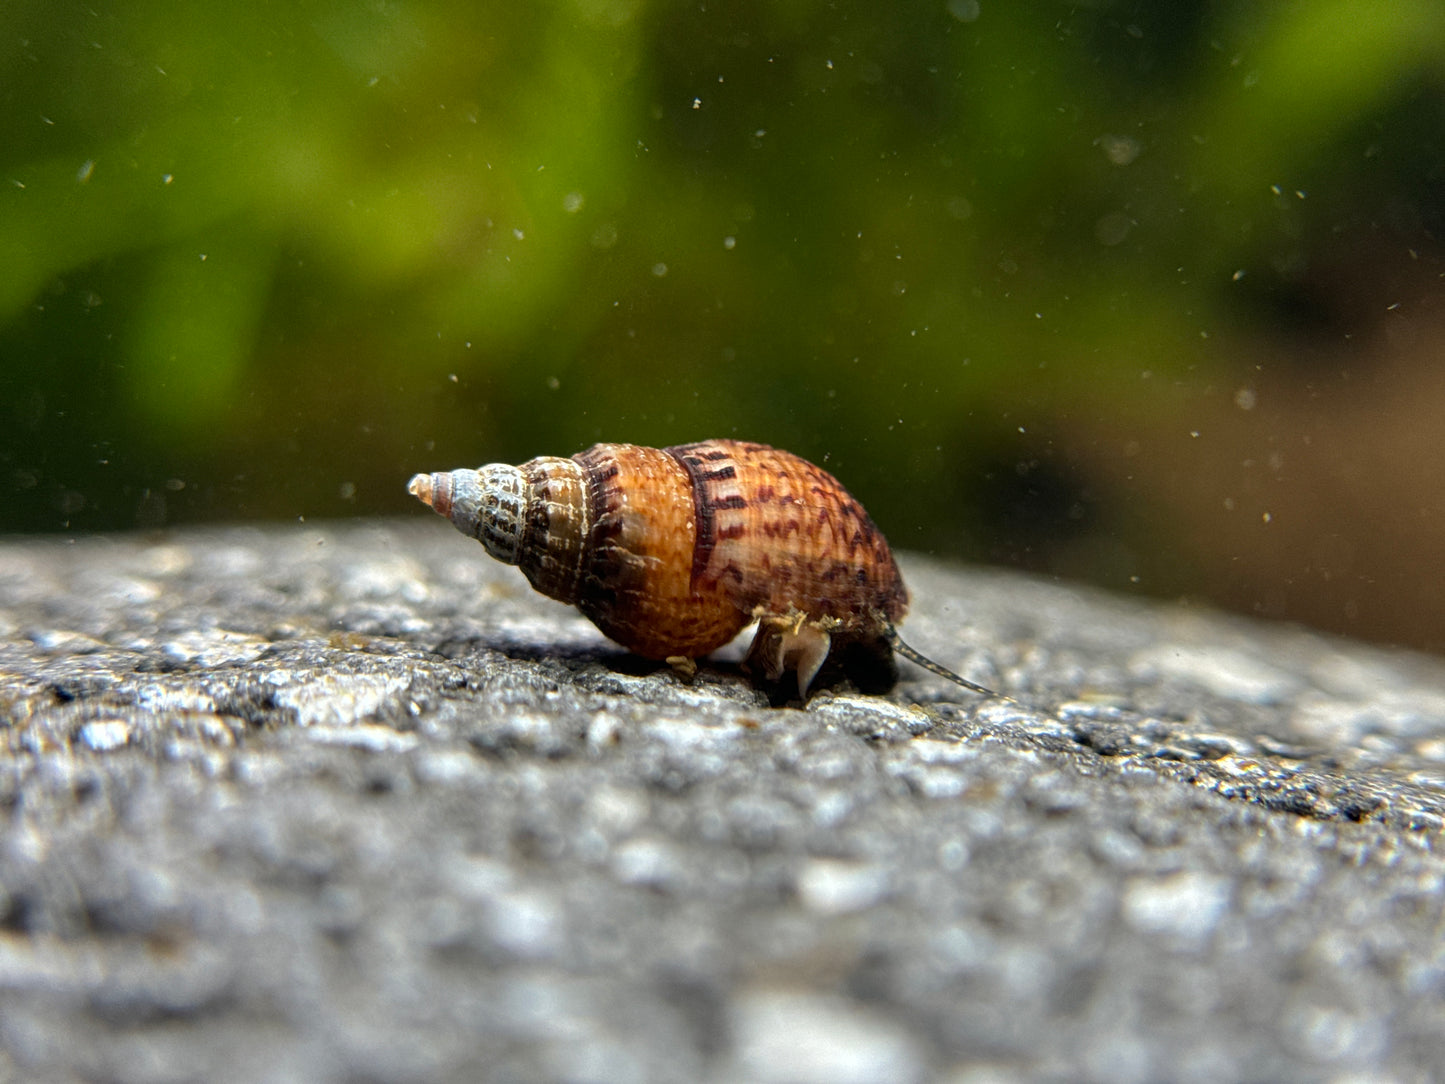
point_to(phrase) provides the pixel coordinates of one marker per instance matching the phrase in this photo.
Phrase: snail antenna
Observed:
(934, 668)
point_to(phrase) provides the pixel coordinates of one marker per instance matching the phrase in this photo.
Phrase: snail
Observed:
(672, 552)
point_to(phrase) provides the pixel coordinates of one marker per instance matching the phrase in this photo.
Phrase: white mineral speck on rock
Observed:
(532, 730)
(340, 702)
(645, 862)
(104, 734)
(935, 751)
(1186, 906)
(526, 924)
(213, 647)
(603, 729)
(685, 733)
(860, 712)
(448, 767)
(65, 641)
(938, 783)
(799, 1038)
(830, 810)
(158, 697)
(616, 811)
(832, 887)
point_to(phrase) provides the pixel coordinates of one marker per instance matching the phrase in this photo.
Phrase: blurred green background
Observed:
(1147, 294)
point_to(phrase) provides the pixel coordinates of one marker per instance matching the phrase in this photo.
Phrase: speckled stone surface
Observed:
(354, 804)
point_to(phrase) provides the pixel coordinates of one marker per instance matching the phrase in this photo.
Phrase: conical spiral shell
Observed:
(671, 552)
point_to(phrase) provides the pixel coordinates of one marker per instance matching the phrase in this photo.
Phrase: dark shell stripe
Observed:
(635, 581)
(602, 558)
(553, 526)
(714, 491)
(781, 533)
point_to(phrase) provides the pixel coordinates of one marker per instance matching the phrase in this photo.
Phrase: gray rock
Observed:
(354, 804)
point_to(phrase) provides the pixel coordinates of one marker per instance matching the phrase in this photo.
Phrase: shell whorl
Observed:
(780, 534)
(535, 516)
(488, 504)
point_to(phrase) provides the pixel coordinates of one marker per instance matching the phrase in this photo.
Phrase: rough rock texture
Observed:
(354, 804)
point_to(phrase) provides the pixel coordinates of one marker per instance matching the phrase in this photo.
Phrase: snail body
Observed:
(672, 552)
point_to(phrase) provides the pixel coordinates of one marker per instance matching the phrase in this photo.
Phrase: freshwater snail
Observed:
(673, 551)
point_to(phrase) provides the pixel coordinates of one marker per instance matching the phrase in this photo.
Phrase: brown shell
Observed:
(671, 552)
(637, 582)
(781, 535)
